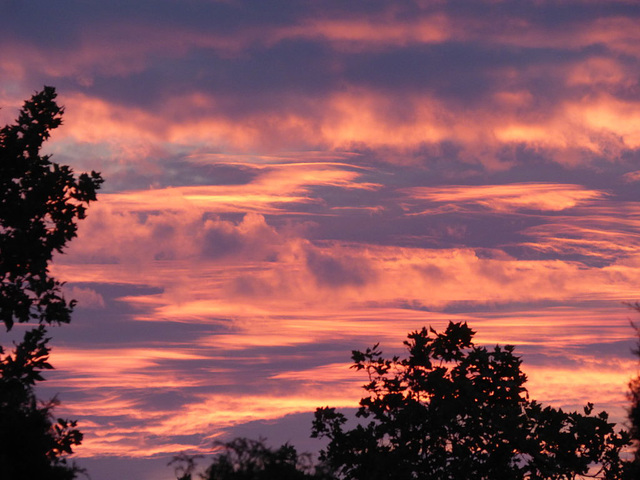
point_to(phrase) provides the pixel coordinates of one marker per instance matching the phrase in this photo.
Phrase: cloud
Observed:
(571, 132)
(86, 297)
(183, 222)
(508, 198)
(600, 241)
(358, 34)
(339, 271)
(123, 382)
(287, 181)
(401, 78)
(381, 276)
(249, 239)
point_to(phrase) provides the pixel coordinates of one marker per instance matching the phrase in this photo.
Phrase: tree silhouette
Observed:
(247, 459)
(40, 203)
(634, 409)
(453, 410)
(32, 443)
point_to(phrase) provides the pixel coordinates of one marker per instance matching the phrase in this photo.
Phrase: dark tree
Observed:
(40, 203)
(453, 410)
(634, 409)
(32, 443)
(246, 459)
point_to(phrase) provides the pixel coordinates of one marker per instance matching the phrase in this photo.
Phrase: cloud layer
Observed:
(287, 181)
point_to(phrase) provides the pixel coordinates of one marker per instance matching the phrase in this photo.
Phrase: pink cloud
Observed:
(509, 197)
(86, 297)
(359, 117)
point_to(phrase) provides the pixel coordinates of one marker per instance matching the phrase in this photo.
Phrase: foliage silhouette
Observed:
(246, 459)
(453, 410)
(40, 203)
(634, 409)
(32, 444)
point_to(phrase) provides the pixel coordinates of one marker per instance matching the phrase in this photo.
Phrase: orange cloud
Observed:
(120, 367)
(363, 34)
(509, 197)
(558, 335)
(169, 223)
(573, 387)
(359, 117)
(199, 290)
(595, 241)
(86, 297)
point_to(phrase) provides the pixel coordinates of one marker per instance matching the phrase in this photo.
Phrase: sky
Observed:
(286, 181)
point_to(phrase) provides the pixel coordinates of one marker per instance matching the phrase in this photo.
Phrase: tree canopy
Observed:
(454, 410)
(40, 203)
(634, 409)
(33, 444)
(247, 459)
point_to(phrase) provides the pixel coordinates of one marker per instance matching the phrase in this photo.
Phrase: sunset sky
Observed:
(286, 181)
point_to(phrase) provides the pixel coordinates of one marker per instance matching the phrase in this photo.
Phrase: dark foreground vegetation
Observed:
(40, 203)
(449, 410)
(453, 410)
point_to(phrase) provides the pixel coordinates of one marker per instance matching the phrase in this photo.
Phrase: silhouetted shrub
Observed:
(40, 203)
(453, 410)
